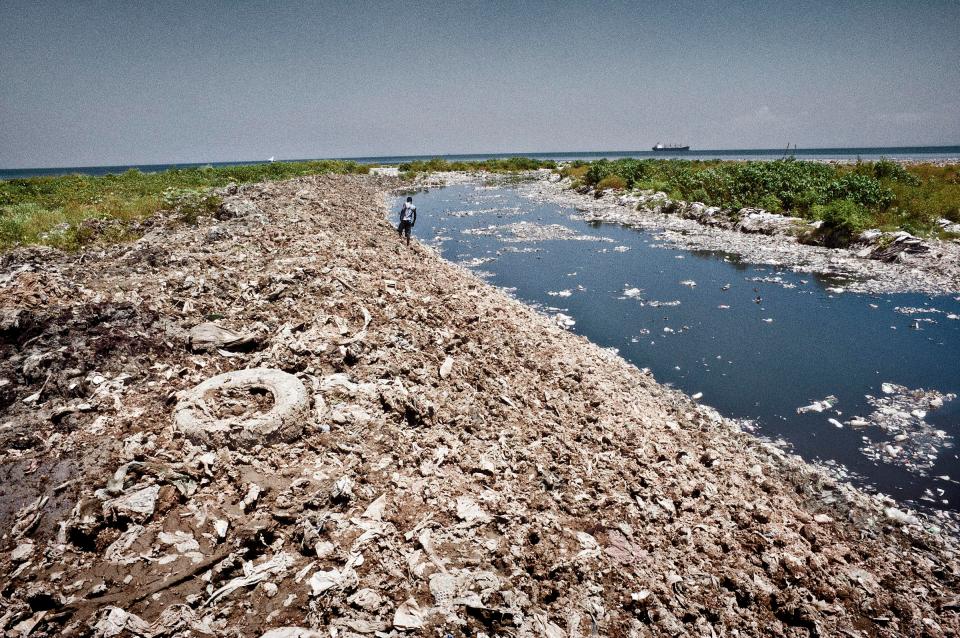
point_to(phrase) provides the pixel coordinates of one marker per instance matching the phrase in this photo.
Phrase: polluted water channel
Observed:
(864, 385)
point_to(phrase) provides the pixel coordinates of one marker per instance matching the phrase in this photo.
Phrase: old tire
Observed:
(283, 422)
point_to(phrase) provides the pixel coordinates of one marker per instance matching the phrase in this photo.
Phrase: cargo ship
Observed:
(671, 148)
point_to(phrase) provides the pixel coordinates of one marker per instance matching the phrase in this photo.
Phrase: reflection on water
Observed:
(758, 342)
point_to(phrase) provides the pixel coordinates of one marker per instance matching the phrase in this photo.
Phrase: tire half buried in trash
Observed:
(284, 421)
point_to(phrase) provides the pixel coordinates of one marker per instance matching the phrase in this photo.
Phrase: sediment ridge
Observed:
(456, 464)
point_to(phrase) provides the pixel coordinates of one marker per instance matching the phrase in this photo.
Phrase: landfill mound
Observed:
(282, 421)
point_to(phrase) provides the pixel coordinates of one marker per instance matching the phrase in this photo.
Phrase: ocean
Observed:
(928, 153)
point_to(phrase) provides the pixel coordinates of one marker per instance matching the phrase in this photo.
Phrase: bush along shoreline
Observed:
(70, 211)
(837, 202)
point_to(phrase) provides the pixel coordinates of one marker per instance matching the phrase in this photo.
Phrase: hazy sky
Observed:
(85, 83)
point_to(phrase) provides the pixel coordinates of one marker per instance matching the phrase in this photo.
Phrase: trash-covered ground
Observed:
(370, 441)
(877, 262)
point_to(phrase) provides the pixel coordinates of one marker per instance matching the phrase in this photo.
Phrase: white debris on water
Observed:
(477, 261)
(907, 310)
(819, 406)
(911, 442)
(564, 320)
(560, 293)
(778, 280)
(527, 231)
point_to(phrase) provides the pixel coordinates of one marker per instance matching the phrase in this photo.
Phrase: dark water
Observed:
(928, 153)
(818, 343)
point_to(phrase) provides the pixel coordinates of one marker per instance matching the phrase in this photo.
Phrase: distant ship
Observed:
(669, 148)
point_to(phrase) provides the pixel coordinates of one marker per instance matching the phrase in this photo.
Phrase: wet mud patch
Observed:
(25, 481)
(61, 354)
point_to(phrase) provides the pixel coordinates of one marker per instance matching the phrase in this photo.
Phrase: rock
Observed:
(755, 220)
(207, 337)
(446, 367)
(408, 616)
(231, 208)
(139, 504)
(469, 512)
(21, 553)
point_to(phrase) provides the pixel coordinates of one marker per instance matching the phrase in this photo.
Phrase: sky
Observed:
(105, 83)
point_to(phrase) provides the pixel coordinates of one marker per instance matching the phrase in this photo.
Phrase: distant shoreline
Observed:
(938, 154)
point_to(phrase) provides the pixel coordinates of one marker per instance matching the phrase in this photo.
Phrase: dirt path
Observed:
(464, 467)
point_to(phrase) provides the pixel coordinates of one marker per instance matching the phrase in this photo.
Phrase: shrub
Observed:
(771, 203)
(574, 172)
(190, 204)
(861, 189)
(885, 169)
(612, 181)
(699, 195)
(842, 220)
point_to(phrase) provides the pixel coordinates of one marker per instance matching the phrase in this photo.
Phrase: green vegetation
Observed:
(508, 165)
(847, 198)
(612, 181)
(72, 210)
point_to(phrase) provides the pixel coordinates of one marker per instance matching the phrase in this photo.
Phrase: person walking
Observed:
(408, 217)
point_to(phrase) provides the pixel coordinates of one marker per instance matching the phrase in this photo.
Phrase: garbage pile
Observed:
(283, 422)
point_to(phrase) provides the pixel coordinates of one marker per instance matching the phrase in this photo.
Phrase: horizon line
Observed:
(786, 151)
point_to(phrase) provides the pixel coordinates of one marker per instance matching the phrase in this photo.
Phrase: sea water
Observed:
(918, 153)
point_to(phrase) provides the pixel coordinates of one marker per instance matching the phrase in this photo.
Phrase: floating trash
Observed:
(912, 443)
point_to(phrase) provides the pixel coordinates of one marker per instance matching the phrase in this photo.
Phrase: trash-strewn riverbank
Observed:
(458, 463)
(882, 263)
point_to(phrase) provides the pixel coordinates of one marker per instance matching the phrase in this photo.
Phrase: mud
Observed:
(468, 467)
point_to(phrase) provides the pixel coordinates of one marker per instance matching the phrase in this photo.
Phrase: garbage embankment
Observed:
(283, 422)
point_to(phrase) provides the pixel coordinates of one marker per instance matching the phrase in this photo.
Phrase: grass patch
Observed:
(70, 211)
